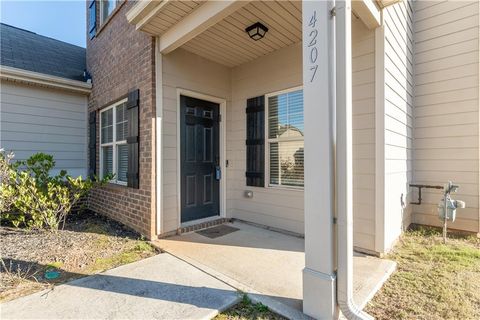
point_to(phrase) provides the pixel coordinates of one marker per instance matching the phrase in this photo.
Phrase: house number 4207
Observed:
(312, 45)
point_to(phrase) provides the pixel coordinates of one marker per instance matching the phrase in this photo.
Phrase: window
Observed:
(106, 9)
(285, 138)
(113, 142)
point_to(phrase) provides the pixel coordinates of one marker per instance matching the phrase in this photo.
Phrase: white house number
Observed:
(312, 45)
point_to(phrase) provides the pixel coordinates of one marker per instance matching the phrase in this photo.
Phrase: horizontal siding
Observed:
(184, 70)
(280, 208)
(447, 107)
(45, 120)
(363, 104)
(399, 118)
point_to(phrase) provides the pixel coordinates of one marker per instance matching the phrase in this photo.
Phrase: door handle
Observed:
(218, 173)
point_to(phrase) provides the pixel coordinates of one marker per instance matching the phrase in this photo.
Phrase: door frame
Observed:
(223, 181)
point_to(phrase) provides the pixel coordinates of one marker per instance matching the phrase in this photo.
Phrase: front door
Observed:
(200, 159)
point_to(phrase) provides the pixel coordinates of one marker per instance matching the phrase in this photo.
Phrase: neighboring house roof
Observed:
(27, 50)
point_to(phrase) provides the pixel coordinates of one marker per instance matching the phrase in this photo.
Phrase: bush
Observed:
(30, 195)
(7, 194)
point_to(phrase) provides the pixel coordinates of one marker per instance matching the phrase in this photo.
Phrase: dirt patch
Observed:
(90, 243)
(433, 280)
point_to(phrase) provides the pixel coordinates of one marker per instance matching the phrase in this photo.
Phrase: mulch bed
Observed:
(89, 243)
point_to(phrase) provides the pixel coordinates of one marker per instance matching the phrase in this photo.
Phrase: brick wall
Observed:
(121, 59)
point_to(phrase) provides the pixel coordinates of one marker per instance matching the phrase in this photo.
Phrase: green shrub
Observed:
(37, 199)
(7, 194)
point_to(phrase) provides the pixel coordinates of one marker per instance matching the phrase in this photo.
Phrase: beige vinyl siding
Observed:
(447, 107)
(363, 95)
(281, 207)
(184, 70)
(277, 207)
(399, 92)
(35, 119)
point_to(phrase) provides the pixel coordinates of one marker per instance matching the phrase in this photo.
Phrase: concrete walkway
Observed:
(267, 264)
(160, 287)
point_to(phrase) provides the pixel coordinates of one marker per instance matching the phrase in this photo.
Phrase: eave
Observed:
(44, 80)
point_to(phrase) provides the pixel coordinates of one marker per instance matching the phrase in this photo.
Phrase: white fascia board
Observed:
(44, 80)
(140, 10)
(208, 14)
(150, 15)
(368, 12)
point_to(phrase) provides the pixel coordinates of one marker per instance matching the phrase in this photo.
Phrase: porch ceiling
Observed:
(156, 17)
(216, 29)
(226, 41)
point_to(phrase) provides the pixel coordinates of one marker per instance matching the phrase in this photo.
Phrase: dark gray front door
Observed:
(200, 159)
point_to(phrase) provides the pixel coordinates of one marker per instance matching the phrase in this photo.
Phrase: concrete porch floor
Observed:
(268, 265)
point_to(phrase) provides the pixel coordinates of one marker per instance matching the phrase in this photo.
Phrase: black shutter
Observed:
(255, 142)
(92, 144)
(132, 139)
(92, 19)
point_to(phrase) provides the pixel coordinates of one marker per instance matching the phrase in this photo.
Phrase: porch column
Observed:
(158, 139)
(319, 294)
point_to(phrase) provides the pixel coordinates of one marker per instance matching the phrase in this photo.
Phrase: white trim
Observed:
(159, 137)
(478, 186)
(113, 144)
(87, 136)
(101, 20)
(150, 15)
(380, 139)
(140, 10)
(268, 185)
(45, 80)
(223, 181)
(368, 12)
(207, 15)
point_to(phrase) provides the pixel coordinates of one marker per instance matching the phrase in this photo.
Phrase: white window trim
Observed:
(114, 143)
(102, 21)
(268, 141)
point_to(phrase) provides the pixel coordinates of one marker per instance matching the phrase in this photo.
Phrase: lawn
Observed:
(433, 280)
(89, 244)
(247, 310)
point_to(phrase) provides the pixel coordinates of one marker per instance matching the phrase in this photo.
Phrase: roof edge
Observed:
(44, 80)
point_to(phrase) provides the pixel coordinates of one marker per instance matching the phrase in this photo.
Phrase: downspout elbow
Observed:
(350, 310)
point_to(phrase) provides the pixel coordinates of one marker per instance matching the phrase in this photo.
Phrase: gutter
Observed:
(343, 170)
(44, 80)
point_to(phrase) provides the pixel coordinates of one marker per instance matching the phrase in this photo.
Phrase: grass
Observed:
(247, 310)
(91, 244)
(135, 251)
(433, 280)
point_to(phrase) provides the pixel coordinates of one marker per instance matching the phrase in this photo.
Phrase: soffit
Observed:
(227, 42)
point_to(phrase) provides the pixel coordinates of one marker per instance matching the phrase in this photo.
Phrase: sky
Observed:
(61, 20)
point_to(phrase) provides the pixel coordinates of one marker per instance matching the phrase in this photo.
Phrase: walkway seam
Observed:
(257, 297)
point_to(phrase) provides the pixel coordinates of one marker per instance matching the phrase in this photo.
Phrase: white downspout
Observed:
(344, 180)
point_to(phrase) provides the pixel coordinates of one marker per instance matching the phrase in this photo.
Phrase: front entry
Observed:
(200, 159)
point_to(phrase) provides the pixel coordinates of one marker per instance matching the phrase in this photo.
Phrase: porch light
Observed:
(256, 31)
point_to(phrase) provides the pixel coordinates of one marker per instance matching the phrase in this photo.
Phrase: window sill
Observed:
(275, 188)
(116, 186)
(286, 188)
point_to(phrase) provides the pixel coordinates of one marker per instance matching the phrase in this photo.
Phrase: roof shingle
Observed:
(29, 51)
